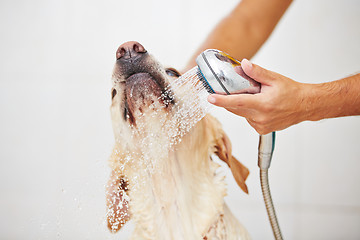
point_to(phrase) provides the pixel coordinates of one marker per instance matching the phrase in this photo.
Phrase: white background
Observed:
(56, 59)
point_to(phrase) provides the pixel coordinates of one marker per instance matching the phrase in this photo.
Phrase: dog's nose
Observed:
(130, 50)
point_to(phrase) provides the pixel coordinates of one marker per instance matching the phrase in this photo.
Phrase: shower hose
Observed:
(266, 149)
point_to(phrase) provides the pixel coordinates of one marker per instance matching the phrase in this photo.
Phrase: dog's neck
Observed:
(181, 196)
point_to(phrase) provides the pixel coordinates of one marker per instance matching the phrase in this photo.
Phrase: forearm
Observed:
(333, 99)
(245, 29)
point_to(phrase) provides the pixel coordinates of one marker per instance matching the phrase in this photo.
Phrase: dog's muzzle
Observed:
(142, 77)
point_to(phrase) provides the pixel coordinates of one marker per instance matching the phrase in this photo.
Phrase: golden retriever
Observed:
(170, 191)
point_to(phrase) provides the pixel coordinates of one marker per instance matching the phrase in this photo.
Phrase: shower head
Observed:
(222, 74)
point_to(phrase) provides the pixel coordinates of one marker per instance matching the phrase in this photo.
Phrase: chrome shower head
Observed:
(223, 74)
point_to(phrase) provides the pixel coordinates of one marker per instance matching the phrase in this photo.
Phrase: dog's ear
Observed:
(117, 202)
(238, 170)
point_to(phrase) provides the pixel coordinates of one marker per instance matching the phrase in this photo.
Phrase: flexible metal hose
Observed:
(266, 149)
(264, 180)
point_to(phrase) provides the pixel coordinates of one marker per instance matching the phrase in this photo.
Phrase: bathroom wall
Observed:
(55, 133)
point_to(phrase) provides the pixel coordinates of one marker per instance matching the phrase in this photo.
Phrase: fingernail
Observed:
(246, 62)
(211, 99)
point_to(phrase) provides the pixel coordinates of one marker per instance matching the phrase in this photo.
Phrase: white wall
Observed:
(55, 133)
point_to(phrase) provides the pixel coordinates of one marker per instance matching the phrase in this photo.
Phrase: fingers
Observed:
(242, 105)
(258, 73)
(232, 101)
(254, 120)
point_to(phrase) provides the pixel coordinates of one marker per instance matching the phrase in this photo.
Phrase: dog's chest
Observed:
(180, 200)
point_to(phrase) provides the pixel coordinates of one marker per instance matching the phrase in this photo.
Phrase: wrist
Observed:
(312, 99)
(329, 100)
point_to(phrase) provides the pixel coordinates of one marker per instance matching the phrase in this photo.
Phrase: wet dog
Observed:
(170, 191)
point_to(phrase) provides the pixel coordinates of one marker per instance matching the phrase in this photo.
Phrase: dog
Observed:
(169, 191)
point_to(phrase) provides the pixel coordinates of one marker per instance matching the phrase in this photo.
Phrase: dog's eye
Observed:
(172, 72)
(113, 93)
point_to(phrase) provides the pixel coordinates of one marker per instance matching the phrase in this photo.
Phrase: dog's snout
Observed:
(130, 50)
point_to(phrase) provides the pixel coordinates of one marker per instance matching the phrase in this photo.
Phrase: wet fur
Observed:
(169, 192)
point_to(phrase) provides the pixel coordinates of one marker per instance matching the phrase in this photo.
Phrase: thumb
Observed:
(258, 73)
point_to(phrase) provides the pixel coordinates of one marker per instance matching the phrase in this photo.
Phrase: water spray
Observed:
(222, 74)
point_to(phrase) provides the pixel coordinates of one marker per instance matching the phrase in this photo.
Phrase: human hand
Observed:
(279, 104)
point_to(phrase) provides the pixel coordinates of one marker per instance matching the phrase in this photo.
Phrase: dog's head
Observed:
(140, 88)
(141, 104)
